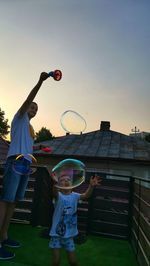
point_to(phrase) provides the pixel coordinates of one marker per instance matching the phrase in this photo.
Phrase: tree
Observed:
(43, 134)
(4, 127)
(147, 138)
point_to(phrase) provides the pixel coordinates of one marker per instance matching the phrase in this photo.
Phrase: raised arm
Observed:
(33, 93)
(94, 181)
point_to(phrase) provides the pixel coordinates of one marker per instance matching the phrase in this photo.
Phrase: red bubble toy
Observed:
(56, 74)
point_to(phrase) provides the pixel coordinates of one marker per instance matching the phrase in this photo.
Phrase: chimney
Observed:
(105, 126)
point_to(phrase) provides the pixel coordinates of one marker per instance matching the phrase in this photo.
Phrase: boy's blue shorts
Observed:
(59, 242)
(14, 184)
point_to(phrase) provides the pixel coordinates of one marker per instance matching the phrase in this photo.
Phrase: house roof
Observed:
(3, 149)
(100, 144)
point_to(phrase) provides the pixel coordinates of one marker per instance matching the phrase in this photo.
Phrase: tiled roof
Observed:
(100, 144)
(3, 150)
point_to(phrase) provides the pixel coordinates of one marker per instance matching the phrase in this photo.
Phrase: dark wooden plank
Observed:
(110, 228)
(112, 192)
(25, 204)
(110, 216)
(143, 205)
(107, 204)
(22, 214)
(142, 222)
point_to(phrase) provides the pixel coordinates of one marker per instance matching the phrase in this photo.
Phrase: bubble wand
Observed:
(56, 74)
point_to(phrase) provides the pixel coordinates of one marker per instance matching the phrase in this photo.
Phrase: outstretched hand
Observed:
(95, 181)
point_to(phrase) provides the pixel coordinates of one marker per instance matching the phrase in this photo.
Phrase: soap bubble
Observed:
(22, 164)
(68, 174)
(72, 122)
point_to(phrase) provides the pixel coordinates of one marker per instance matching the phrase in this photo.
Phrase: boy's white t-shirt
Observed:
(21, 139)
(64, 222)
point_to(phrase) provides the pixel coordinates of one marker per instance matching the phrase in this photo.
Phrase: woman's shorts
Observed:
(14, 184)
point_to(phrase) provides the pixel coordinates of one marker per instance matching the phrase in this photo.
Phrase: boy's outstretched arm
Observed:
(94, 181)
(33, 93)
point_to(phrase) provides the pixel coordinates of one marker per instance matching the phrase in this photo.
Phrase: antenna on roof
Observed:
(135, 130)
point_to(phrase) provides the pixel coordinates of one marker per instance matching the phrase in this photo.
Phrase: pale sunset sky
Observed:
(102, 48)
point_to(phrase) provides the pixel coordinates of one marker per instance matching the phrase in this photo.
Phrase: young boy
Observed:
(64, 225)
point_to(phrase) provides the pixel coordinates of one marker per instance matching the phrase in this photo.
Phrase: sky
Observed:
(102, 48)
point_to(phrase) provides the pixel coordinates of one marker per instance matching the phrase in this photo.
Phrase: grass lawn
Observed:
(96, 251)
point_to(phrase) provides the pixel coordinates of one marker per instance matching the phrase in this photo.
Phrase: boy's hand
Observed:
(44, 76)
(95, 180)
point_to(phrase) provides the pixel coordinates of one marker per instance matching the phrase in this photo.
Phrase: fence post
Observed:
(139, 209)
(90, 212)
(131, 200)
(42, 208)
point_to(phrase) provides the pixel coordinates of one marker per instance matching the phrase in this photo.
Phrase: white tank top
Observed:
(21, 139)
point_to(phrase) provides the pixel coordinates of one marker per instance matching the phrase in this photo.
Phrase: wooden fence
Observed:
(140, 229)
(119, 208)
(107, 212)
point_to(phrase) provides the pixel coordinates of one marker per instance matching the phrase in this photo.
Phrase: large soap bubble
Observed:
(68, 174)
(72, 122)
